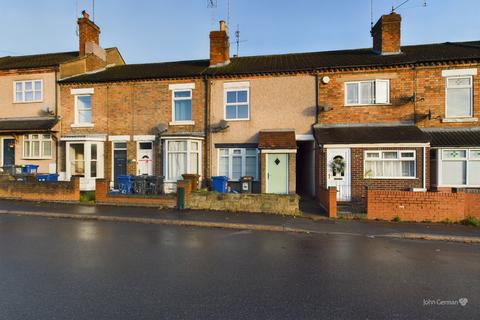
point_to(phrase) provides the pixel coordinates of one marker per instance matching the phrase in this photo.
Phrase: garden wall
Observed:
(31, 190)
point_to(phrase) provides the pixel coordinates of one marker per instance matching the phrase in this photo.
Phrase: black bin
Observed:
(246, 184)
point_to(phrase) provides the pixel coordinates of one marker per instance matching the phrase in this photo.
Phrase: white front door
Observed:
(338, 173)
(145, 158)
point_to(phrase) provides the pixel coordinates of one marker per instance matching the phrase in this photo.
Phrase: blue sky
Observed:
(165, 30)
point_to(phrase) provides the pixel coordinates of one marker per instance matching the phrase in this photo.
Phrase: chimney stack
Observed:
(386, 34)
(89, 34)
(219, 46)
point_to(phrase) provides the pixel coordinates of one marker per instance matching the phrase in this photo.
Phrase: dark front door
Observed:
(9, 152)
(119, 162)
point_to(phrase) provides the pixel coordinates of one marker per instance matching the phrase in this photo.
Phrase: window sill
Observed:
(182, 123)
(390, 178)
(459, 120)
(369, 105)
(82, 125)
(25, 158)
(234, 120)
(26, 102)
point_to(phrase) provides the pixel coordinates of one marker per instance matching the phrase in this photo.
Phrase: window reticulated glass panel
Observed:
(366, 93)
(84, 109)
(352, 93)
(454, 172)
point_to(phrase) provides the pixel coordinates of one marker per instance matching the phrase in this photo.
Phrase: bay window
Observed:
(391, 164)
(459, 97)
(235, 163)
(37, 146)
(459, 167)
(182, 157)
(367, 92)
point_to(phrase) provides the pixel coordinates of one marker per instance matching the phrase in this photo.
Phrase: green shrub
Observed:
(397, 219)
(87, 196)
(471, 221)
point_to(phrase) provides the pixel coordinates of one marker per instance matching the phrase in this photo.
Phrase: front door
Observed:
(8, 152)
(338, 172)
(145, 158)
(119, 161)
(277, 173)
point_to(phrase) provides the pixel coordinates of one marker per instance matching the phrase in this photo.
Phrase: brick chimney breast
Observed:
(89, 32)
(386, 34)
(219, 46)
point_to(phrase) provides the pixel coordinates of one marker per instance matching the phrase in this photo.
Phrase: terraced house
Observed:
(29, 99)
(389, 117)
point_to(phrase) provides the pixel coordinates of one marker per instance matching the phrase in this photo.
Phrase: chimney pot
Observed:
(223, 25)
(85, 14)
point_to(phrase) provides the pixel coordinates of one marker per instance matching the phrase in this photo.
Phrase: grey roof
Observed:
(27, 124)
(36, 60)
(369, 135)
(468, 137)
(295, 62)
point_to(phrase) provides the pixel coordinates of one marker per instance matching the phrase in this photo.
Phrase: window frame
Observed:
(76, 120)
(468, 159)
(182, 122)
(23, 91)
(243, 156)
(41, 156)
(398, 159)
(461, 87)
(375, 81)
(189, 151)
(236, 104)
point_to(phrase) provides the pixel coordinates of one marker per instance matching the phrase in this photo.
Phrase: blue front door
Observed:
(9, 152)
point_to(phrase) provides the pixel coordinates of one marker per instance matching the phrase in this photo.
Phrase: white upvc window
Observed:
(460, 167)
(83, 110)
(390, 164)
(37, 146)
(367, 92)
(28, 91)
(182, 157)
(235, 163)
(459, 97)
(182, 106)
(237, 104)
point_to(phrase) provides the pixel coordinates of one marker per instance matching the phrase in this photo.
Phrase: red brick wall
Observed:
(426, 81)
(327, 198)
(472, 205)
(102, 197)
(132, 108)
(41, 191)
(420, 206)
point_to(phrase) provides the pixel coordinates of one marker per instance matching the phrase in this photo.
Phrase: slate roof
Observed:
(295, 62)
(454, 137)
(27, 124)
(369, 134)
(284, 139)
(37, 60)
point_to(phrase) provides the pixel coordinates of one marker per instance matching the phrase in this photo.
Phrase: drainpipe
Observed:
(207, 126)
(315, 71)
(424, 168)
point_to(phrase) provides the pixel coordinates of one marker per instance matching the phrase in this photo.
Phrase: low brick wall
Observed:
(421, 206)
(327, 199)
(62, 191)
(256, 203)
(102, 196)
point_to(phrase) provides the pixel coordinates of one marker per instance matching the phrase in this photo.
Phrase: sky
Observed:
(167, 30)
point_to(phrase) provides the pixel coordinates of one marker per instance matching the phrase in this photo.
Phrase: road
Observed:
(66, 269)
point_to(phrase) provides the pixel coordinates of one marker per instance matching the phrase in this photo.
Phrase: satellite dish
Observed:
(223, 125)
(161, 128)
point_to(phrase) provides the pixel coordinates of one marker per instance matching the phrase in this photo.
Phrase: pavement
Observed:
(245, 221)
(76, 269)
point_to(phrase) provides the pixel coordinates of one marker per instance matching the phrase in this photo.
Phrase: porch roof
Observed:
(277, 139)
(27, 124)
(459, 137)
(369, 135)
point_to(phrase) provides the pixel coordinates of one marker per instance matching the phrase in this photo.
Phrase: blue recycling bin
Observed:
(29, 169)
(125, 184)
(220, 184)
(47, 177)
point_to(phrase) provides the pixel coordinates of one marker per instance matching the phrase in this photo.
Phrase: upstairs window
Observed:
(182, 105)
(459, 97)
(37, 146)
(28, 91)
(367, 92)
(237, 104)
(83, 107)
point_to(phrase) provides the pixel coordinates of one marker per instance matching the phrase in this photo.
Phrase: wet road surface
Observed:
(64, 269)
